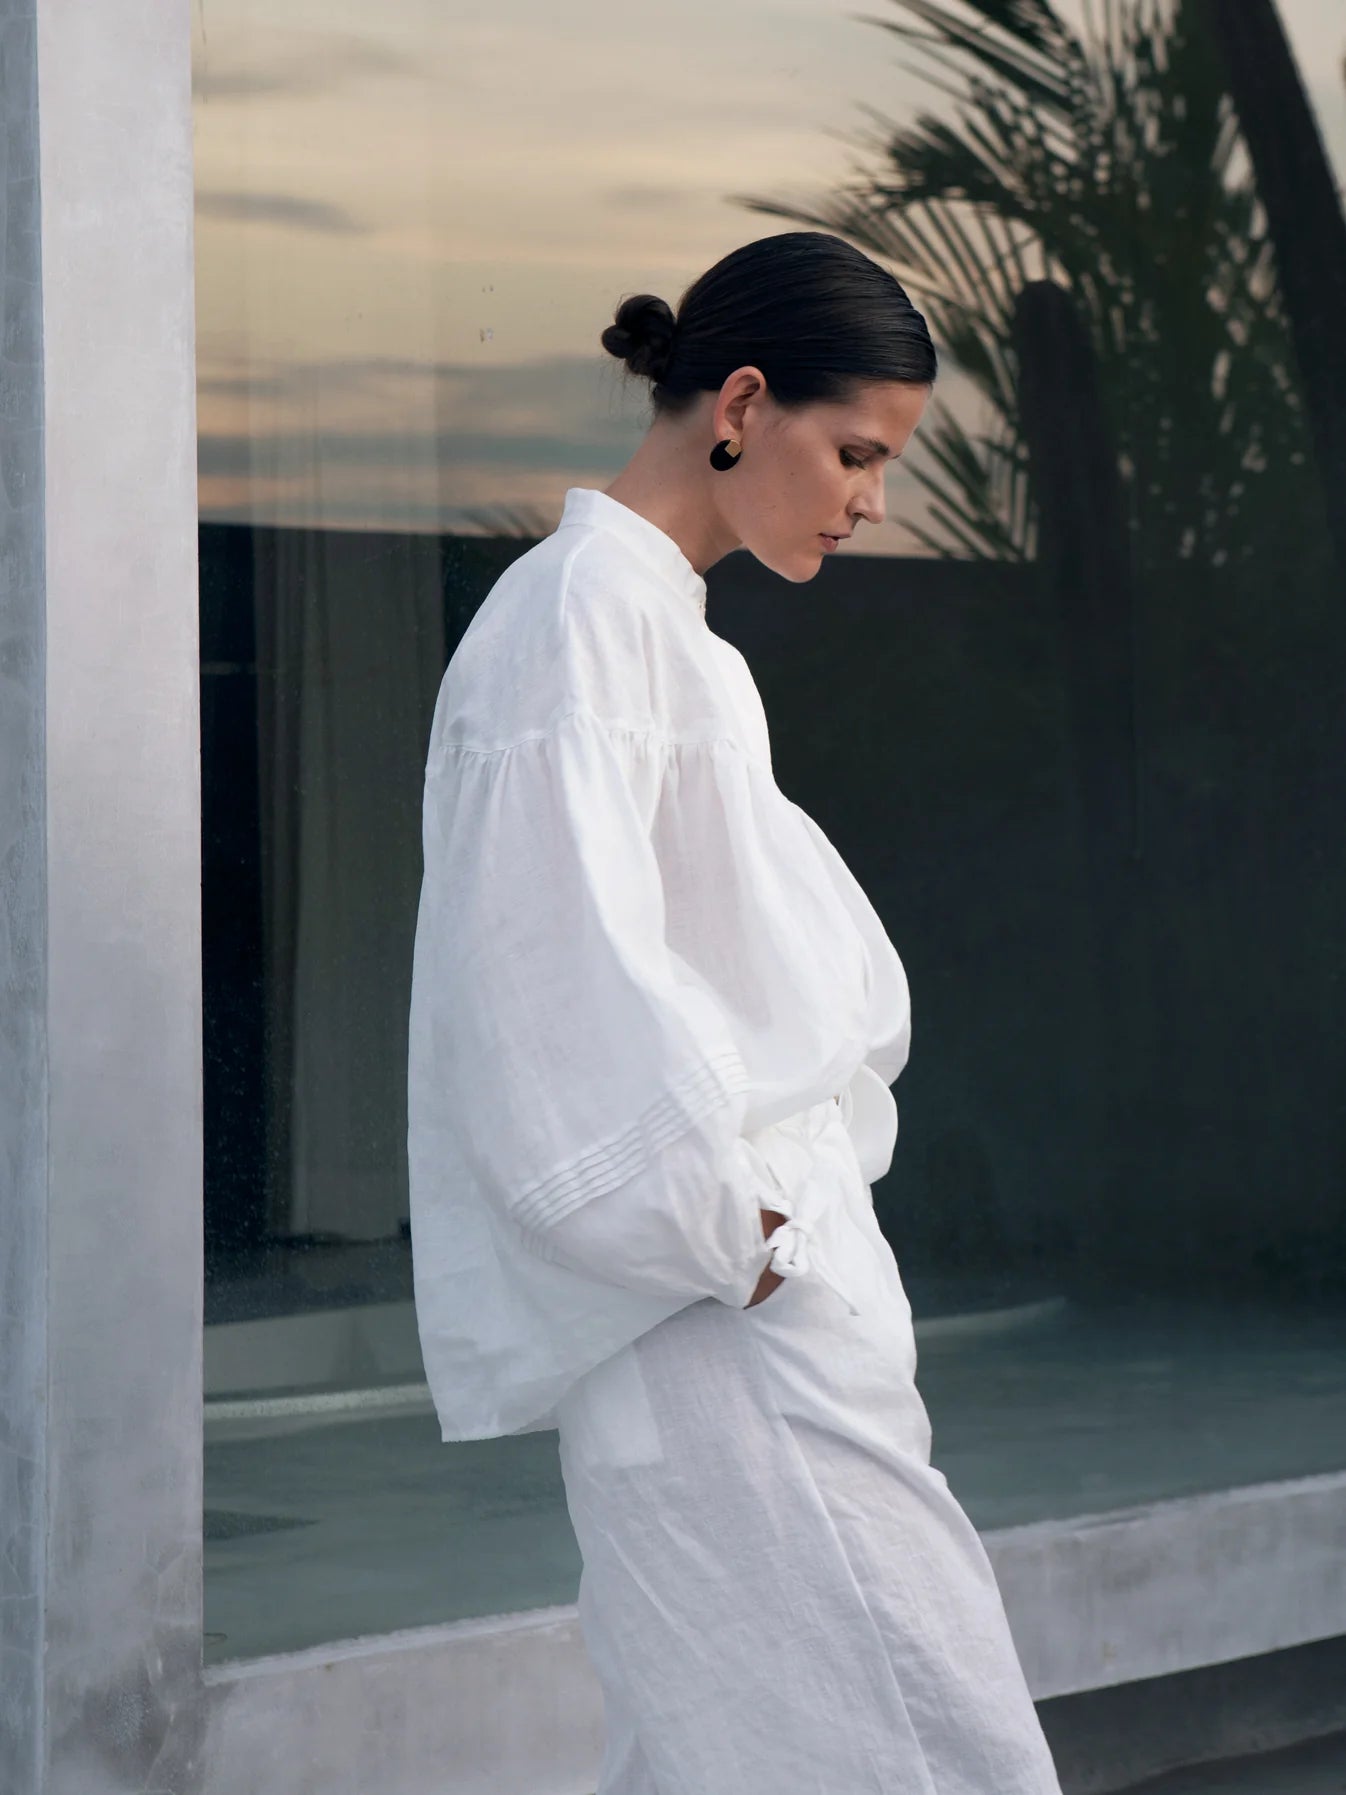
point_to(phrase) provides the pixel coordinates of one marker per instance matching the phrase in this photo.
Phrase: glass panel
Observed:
(1093, 794)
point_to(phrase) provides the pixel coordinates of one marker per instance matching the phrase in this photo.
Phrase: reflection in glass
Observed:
(1091, 793)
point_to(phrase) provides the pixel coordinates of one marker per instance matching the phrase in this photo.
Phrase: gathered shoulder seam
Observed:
(639, 732)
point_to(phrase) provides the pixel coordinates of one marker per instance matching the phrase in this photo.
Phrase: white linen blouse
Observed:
(638, 970)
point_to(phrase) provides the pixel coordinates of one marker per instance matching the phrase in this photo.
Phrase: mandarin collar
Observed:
(587, 507)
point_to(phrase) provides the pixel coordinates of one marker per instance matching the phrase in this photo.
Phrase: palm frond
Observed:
(1108, 159)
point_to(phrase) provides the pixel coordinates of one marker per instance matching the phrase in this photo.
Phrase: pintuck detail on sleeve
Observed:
(616, 1161)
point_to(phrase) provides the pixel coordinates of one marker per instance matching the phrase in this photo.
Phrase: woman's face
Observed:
(809, 474)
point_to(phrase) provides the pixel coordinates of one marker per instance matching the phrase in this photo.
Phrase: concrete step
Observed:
(1315, 1768)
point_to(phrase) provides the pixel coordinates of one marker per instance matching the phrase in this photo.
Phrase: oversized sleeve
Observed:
(590, 1080)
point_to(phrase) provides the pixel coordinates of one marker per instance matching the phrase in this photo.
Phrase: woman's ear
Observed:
(744, 387)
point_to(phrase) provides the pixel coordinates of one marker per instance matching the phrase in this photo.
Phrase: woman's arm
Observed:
(592, 1085)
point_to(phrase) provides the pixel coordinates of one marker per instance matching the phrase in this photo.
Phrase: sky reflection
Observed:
(413, 222)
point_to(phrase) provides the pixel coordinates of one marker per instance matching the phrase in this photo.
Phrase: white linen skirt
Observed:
(779, 1594)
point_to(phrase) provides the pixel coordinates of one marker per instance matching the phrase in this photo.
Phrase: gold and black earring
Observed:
(725, 454)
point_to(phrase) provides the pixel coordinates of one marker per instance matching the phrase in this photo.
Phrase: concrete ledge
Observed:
(478, 1708)
(511, 1704)
(1146, 1592)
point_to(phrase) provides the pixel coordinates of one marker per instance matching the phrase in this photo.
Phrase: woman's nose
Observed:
(873, 506)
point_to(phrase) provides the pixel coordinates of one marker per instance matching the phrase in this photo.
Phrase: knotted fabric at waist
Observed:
(810, 1169)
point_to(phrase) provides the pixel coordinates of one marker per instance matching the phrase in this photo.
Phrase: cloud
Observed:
(560, 414)
(241, 83)
(644, 197)
(287, 209)
(232, 453)
(554, 391)
(294, 64)
(242, 386)
(479, 442)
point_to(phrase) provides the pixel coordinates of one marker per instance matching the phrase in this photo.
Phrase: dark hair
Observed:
(813, 313)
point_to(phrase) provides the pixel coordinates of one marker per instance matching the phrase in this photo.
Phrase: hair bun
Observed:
(642, 335)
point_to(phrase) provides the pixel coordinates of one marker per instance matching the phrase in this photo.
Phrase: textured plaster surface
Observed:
(122, 1576)
(504, 1707)
(23, 1106)
(1170, 1586)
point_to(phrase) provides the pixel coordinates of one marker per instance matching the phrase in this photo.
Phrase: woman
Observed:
(654, 1023)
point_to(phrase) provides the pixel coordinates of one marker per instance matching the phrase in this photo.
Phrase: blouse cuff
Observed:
(803, 1197)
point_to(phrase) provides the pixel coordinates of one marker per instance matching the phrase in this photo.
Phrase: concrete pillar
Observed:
(100, 1042)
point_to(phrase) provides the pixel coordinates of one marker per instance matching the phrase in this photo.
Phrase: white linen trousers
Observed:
(780, 1595)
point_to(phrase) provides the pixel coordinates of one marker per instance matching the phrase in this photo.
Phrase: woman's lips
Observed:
(829, 542)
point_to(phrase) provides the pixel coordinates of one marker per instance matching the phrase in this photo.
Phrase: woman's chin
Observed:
(795, 565)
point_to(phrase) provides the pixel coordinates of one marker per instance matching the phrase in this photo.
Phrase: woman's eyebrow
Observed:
(872, 442)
